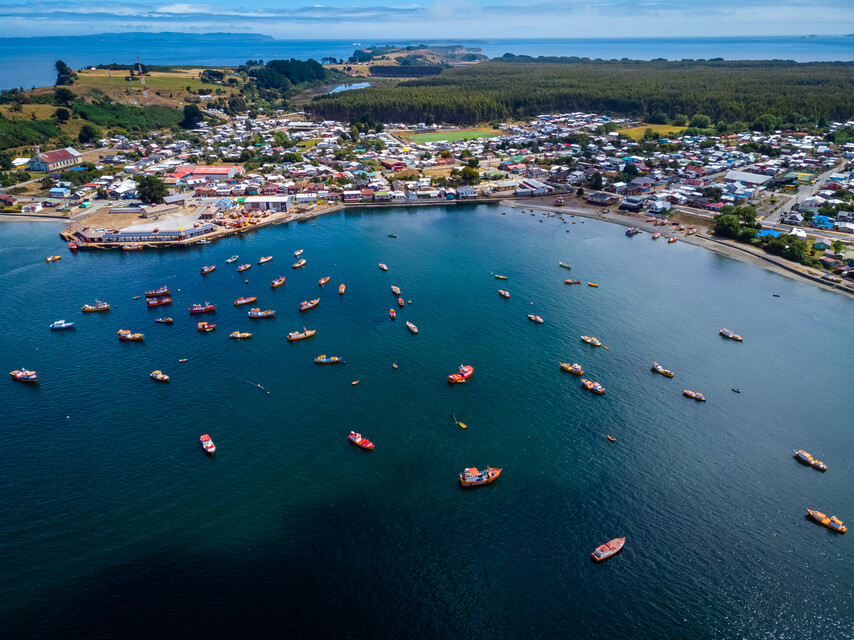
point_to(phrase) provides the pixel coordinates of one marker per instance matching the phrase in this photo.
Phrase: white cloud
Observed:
(183, 7)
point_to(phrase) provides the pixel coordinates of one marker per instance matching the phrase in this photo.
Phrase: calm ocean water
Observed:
(28, 62)
(116, 524)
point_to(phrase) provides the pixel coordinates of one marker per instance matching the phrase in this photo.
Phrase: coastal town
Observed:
(247, 174)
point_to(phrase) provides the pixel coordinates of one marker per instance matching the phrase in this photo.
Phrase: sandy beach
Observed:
(702, 238)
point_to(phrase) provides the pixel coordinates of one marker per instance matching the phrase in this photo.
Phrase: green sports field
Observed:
(450, 136)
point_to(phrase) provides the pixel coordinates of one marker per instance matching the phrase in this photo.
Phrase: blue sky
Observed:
(436, 19)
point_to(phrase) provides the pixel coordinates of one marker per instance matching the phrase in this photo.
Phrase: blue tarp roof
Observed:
(768, 232)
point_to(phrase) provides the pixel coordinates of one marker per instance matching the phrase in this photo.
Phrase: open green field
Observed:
(636, 133)
(450, 136)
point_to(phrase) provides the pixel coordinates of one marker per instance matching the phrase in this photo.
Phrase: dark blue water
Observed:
(28, 62)
(115, 522)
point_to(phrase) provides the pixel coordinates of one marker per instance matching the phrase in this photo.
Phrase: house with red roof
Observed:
(54, 160)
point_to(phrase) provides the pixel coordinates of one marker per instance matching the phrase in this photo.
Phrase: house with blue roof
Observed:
(768, 232)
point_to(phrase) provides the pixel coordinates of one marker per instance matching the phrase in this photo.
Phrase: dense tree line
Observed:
(519, 87)
(281, 75)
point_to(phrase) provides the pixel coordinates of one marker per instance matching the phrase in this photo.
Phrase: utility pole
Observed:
(142, 80)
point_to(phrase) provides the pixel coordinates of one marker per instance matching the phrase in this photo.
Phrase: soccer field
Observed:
(450, 136)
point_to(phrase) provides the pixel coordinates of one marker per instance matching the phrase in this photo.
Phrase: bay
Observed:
(28, 62)
(113, 515)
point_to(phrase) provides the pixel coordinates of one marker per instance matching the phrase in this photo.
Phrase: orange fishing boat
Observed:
(341, 289)
(471, 477)
(278, 282)
(242, 301)
(608, 549)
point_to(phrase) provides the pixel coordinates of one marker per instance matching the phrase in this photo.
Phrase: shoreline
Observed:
(744, 253)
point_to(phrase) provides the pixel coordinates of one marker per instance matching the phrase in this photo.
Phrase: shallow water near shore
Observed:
(116, 523)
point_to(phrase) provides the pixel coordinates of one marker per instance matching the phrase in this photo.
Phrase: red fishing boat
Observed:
(205, 326)
(158, 302)
(503, 293)
(305, 304)
(358, 440)
(162, 291)
(400, 302)
(463, 374)
(608, 549)
(202, 308)
(207, 444)
(392, 314)
(207, 270)
(472, 477)
(248, 300)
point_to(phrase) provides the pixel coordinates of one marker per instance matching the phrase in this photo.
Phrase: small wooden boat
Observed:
(462, 375)
(323, 281)
(157, 293)
(132, 247)
(383, 267)
(572, 281)
(202, 308)
(242, 301)
(206, 270)
(243, 267)
(400, 302)
(99, 306)
(632, 231)
(239, 335)
(499, 277)
(611, 438)
(656, 235)
(182, 360)
(536, 319)
(608, 549)
(411, 327)
(278, 282)
(696, 395)
(158, 302)
(341, 289)
(232, 259)
(257, 313)
(659, 369)
(61, 324)
(395, 290)
(572, 368)
(265, 259)
(735, 390)
(308, 304)
(324, 359)
(671, 240)
(24, 375)
(806, 458)
(163, 320)
(299, 263)
(72, 246)
(392, 314)
(207, 444)
(592, 284)
(471, 477)
(159, 376)
(137, 297)
(126, 334)
(565, 265)
(301, 335)
(358, 440)
(205, 326)
(726, 333)
(298, 253)
(52, 258)
(355, 382)
(595, 387)
(591, 340)
(831, 522)
(503, 293)
(392, 235)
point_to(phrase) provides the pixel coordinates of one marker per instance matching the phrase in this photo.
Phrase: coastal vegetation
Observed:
(761, 95)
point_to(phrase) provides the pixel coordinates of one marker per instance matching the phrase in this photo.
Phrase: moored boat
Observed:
(159, 376)
(341, 289)
(207, 444)
(231, 259)
(258, 313)
(357, 439)
(325, 359)
(239, 335)
(383, 267)
(265, 259)
(299, 263)
(392, 314)
(98, 306)
(242, 301)
(24, 375)
(659, 369)
(671, 240)
(132, 247)
(595, 387)
(536, 319)
(207, 269)
(61, 324)
(157, 302)
(298, 253)
(572, 281)
(400, 302)
(608, 549)
(156, 293)
(395, 290)
(632, 231)
(499, 277)
(696, 395)
(205, 326)
(831, 522)
(565, 265)
(243, 267)
(126, 334)
(472, 477)
(726, 333)
(278, 282)
(591, 340)
(308, 304)
(52, 258)
(301, 335)
(323, 281)
(592, 284)
(202, 308)
(806, 458)
(163, 320)
(411, 327)
(462, 375)
(656, 235)
(503, 293)
(572, 368)
(72, 246)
